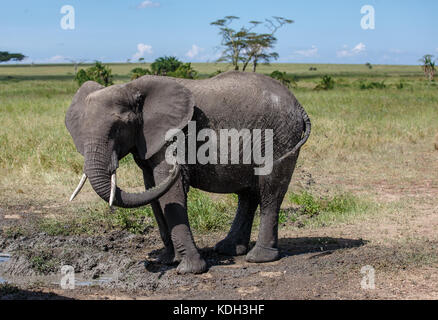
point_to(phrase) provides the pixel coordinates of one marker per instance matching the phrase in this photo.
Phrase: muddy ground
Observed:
(320, 263)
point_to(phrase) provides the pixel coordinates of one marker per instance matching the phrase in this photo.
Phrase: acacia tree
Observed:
(77, 63)
(257, 50)
(428, 66)
(245, 45)
(5, 56)
(234, 42)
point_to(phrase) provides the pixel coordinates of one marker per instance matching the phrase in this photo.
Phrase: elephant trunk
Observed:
(100, 169)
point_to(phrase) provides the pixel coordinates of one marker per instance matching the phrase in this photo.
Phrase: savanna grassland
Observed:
(365, 191)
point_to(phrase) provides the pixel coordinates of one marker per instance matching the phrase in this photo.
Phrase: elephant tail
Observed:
(307, 129)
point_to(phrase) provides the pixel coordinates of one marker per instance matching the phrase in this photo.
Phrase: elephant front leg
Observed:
(168, 256)
(237, 241)
(174, 206)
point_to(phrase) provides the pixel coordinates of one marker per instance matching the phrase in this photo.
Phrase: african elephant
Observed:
(108, 123)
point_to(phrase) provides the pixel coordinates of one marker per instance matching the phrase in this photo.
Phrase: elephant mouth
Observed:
(101, 169)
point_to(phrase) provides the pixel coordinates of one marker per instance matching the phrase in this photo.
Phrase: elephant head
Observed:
(108, 123)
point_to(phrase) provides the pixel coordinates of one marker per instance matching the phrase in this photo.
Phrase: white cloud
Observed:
(142, 49)
(148, 4)
(312, 52)
(194, 51)
(359, 48)
(57, 59)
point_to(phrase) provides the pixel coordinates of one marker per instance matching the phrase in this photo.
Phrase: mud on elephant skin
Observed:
(108, 123)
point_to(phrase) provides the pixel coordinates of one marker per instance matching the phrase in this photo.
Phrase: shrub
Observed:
(368, 65)
(163, 65)
(139, 72)
(313, 69)
(99, 73)
(184, 71)
(282, 77)
(326, 83)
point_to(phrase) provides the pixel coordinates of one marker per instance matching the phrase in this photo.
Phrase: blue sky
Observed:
(116, 30)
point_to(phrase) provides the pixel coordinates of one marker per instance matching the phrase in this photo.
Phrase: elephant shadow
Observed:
(288, 247)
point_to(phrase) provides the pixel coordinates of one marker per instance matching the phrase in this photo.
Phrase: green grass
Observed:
(205, 215)
(314, 210)
(43, 261)
(362, 129)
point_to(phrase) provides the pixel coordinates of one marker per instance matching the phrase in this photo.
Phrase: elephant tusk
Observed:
(113, 189)
(79, 187)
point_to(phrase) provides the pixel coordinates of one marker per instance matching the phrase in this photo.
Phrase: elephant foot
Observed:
(229, 247)
(262, 254)
(191, 265)
(168, 256)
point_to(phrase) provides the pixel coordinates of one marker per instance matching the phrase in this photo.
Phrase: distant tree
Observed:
(5, 56)
(257, 50)
(163, 65)
(141, 60)
(244, 45)
(265, 42)
(368, 65)
(99, 73)
(139, 72)
(77, 63)
(428, 66)
(233, 41)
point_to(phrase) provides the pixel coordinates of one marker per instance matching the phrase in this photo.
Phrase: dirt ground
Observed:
(401, 246)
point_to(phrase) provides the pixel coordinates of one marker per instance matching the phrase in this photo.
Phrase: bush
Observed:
(163, 65)
(99, 73)
(184, 71)
(326, 83)
(282, 77)
(139, 72)
(368, 65)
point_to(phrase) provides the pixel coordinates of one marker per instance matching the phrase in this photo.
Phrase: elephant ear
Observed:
(75, 113)
(167, 105)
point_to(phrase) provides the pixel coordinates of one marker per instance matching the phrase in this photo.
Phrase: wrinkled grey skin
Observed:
(108, 123)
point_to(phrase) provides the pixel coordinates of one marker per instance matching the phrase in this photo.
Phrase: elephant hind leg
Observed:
(273, 188)
(237, 241)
